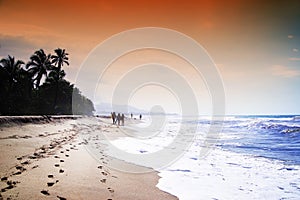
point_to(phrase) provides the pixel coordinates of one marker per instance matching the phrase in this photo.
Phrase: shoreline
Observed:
(43, 160)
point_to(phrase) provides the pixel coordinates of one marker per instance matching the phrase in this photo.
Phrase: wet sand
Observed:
(49, 160)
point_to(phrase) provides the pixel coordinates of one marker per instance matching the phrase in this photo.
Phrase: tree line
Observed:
(38, 87)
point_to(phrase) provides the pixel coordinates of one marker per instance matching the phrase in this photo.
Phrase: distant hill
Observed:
(105, 108)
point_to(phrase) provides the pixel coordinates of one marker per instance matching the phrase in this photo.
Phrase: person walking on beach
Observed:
(140, 116)
(119, 119)
(123, 118)
(131, 115)
(112, 117)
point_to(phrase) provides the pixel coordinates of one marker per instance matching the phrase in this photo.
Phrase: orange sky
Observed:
(79, 27)
(247, 39)
(93, 21)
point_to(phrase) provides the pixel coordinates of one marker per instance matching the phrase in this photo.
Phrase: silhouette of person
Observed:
(140, 116)
(113, 115)
(119, 119)
(131, 115)
(123, 118)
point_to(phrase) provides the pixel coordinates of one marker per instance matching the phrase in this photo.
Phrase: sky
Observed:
(254, 44)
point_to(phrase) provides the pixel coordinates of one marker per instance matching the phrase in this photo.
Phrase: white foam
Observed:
(227, 175)
(220, 175)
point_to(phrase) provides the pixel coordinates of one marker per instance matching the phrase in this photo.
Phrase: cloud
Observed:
(21, 40)
(18, 46)
(295, 50)
(294, 59)
(290, 36)
(283, 71)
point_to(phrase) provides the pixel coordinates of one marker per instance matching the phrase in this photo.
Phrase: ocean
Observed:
(253, 157)
(272, 137)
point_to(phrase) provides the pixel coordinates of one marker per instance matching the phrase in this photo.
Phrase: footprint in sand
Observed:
(50, 184)
(56, 156)
(61, 198)
(61, 171)
(11, 182)
(7, 188)
(45, 192)
(61, 161)
(103, 180)
(10, 185)
(32, 157)
(19, 167)
(50, 176)
(110, 190)
(67, 155)
(25, 162)
(17, 173)
(56, 165)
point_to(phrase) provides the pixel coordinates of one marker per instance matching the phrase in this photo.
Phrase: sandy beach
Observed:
(49, 160)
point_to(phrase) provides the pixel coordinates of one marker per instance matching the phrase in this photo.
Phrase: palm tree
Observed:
(10, 69)
(59, 60)
(39, 65)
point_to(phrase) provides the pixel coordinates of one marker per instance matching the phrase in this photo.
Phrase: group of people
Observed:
(120, 118)
(131, 115)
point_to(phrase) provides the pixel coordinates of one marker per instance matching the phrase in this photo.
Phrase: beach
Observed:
(49, 160)
(70, 158)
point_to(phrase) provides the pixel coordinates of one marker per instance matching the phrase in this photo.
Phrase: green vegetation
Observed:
(39, 87)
